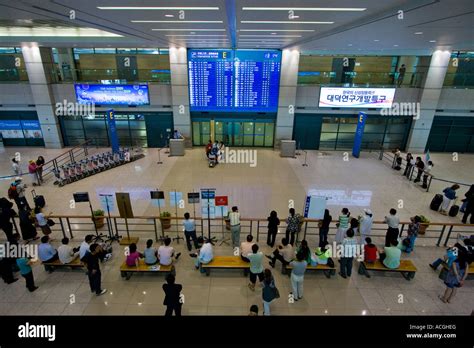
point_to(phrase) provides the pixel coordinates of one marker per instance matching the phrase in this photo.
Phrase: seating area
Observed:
(407, 269)
(126, 271)
(226, 262)
(75, 264)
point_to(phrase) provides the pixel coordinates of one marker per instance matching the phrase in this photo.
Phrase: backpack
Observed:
(12, 192)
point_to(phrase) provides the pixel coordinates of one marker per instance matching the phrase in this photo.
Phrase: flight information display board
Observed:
(234, 80)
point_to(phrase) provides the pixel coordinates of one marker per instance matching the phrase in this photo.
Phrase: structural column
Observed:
(180, 91)
(39, 66)
(287, 97)
(421, 127)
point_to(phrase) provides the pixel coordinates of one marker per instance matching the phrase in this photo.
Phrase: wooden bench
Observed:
(75, 264)
(226, 262)
(406, 268)
(126, 271)
(327, 270)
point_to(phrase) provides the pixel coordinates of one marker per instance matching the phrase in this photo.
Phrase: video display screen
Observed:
(131, 95)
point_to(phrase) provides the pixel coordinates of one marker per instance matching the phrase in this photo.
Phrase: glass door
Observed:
(248, 133)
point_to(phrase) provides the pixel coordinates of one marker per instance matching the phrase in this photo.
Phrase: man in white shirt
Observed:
(366, 225)
(393, 222)
(285, 253)
(234, 218)
(84, 248)
(205, 254)
(66, 253)
(246, 248)
(166, 253)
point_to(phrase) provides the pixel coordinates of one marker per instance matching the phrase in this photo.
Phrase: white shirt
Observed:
(206, 254)
(366, 224)
(246, 248)
(42, 221)
(392, 221)
(164, 254)
(83, 249)
(287, 252)
(16, 168)
(234, 218)
(65, 253)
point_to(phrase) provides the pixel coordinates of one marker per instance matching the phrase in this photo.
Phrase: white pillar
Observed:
(179, 91)
(39, 63)
(420, 128)
(287, 96)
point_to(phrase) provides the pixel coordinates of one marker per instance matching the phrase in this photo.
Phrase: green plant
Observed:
(424, 219)
(165, 214)
(99, 212)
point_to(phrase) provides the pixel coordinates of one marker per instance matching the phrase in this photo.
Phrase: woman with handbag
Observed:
(44, 222)
(269, 291)
(456, 275)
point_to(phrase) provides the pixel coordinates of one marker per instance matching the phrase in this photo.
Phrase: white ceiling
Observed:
(371, 27)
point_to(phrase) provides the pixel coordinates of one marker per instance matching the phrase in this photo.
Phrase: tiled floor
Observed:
(268, 186)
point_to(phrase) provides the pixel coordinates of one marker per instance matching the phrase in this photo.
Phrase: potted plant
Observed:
(165, 218)
(424, 224)
(99, 217)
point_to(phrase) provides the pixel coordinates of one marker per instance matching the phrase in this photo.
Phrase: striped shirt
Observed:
(344, 221)
(234, 218)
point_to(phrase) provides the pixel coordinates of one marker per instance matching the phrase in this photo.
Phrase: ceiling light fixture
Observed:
(181, 29)
(395, 45)
(169, 15)
(159, 8)
(432, 40)
(285, 22)
(418, 33)
(273, 30)
(269, 35)
(224, 35)
(376, 40)
(144, 21)
(342, 9)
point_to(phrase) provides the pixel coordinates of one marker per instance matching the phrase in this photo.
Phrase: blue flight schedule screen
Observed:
(234, 80)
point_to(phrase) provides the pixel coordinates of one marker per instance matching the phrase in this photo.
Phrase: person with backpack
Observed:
(17, 193)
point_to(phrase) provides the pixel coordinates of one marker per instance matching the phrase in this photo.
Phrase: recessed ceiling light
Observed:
(432, 40)
(141, 21)
(349, 45)
(141, 8)
(193, 33)
(295, 17)
(198, 35)
(376, 40)
(270, 35)
(418, 33)
(181, 29)
(273, 33)
(169, 15)
(273, 30)
(395, 45)
(345, 9)
(285, 22)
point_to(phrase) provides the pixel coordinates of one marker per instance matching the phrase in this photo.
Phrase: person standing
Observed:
(401, 75)
(366, 225)
(256, 266)
(6, 214)
(172, 301)
(397, 159)
(293, 225)
(91, 259)
(20, 188)
(32, 169)
(393, 222)
(449, 194)
(456, 276)
(324, 227)
(190, 231)
(27, 227)
(234, 217)
(342, 225)
(469, 206)
(39, 167)
(27, 272)
(348, 254)
(297, 275)
(412, 233)
(273, 223)
(427, 173)
(16, 167)
(269, 291)
(420, 166)
(408, 166)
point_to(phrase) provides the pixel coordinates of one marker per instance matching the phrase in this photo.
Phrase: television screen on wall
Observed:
(340, 97)
(130, 95)
(234, 80)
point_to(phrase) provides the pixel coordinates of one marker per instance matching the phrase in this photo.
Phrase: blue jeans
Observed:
(346, 266)
(437, 263)
(411, 246)
(191, 235)
(199, 261)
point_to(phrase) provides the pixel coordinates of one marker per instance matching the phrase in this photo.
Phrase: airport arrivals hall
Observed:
(236, 158)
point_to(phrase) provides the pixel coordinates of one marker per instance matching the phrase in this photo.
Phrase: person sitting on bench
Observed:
(166, 253)
(66, 253)
(285, 253)
(321, 254)
(150, 254)
(246, 248)
(133, 256)
(47, 253)
(390, 256)
(204, 255)
(85, 247)
(370, 251)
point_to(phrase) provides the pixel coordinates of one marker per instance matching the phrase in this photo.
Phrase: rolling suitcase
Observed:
(436, 202)
(454, 210)
(39, 200)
